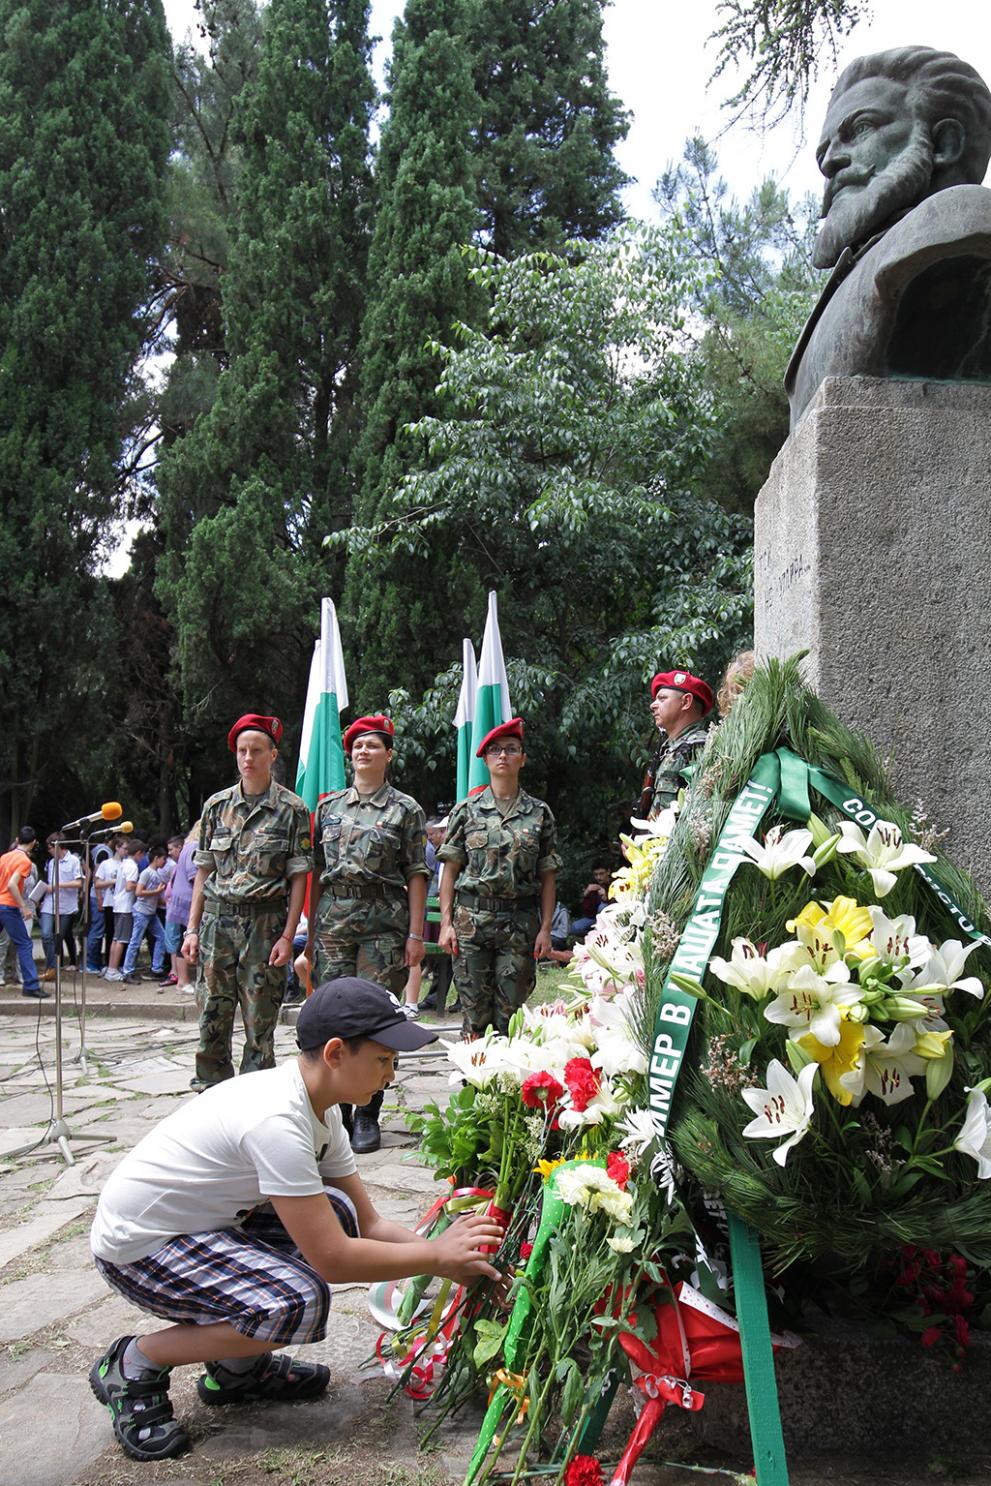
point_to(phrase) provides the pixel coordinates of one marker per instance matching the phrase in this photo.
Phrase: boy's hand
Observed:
(458, 1250)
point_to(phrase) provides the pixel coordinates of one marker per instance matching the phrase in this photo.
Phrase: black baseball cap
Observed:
(350, 1007)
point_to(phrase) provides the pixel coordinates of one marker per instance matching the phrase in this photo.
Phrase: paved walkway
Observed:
(56, 1313)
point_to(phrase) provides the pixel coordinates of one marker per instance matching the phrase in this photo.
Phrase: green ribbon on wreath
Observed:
(672, 1029)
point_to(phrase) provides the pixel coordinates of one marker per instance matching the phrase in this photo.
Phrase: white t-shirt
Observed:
(70, 869)
(105, 877)
(127, 872)
(150, 877)
(237, 1144)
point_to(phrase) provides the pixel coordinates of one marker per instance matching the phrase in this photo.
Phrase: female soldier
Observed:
(369, 884)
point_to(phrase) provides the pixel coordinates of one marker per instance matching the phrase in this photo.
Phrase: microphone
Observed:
(124, 829)
(110, 811)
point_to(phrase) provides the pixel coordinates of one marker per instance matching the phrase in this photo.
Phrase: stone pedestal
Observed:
(872, 545)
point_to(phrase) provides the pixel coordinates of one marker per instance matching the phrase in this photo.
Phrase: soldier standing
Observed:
(497, 900)
(251, 866)
(679, 702)
(370, 885)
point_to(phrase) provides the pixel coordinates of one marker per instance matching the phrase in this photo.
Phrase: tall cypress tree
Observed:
(549, 124)
(418, 288)
(258, 481)
(84, 137)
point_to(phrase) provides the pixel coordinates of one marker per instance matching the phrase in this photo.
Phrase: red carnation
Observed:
(931, 1336)
(584, 1470)
(541, 1090)
(618, 1168)
(583, 1085)
(526, 1249)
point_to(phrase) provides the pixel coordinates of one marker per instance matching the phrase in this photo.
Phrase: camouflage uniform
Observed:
(499, 863)
(676, 755)
(254, 847)
(366, 853)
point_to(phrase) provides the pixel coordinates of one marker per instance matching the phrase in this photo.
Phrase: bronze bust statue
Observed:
(906, 226)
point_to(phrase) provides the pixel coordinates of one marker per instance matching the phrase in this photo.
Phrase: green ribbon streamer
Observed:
(758, 1356)
(551, 1209)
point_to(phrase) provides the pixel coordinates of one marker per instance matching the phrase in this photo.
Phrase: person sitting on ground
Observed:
(129, 854)
(595, 895)
(235, 1215)
(147, 897)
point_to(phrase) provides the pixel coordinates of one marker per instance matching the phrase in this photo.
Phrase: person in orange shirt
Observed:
(14, 868)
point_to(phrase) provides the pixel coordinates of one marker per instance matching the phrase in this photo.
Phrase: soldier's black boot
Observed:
(367, 1136)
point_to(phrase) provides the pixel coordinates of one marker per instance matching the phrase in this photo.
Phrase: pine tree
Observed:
(258, 481)
(84, 138)
(418, 289)
(549, 125)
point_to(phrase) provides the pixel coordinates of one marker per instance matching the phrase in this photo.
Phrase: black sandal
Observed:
(140, 1408)
(274, 1376)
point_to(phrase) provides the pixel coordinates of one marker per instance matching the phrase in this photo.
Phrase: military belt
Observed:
(250, 905)
(361, 890)
(495, 905)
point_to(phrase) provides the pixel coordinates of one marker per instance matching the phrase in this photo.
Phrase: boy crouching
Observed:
(233, 1217)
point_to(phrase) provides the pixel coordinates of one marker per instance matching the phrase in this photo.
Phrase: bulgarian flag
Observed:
(491, 698)
(465, 716)
(321, 752)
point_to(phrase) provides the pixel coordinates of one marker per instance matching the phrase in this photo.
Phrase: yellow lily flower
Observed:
(546, 1167)
(835, 1061)
(816, 926)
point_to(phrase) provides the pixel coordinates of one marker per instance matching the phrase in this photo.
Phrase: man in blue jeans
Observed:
(14, 868)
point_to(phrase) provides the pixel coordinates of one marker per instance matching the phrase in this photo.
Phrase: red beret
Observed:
(381, 725)
(511, 729)
(683, 681)
(255, 723)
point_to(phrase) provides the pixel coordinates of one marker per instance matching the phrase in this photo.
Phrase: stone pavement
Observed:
(56, 1313)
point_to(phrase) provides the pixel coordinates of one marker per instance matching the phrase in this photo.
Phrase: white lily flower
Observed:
(781, 851)
(975, 1135)
(884, 852)
(886, 1067)
(478, 1062)
(662, 825)
(895, 938)
(748, 971)
(617, 1053)
(812, 1003)
(785, 1105)
(638, 1133)
(941, 971)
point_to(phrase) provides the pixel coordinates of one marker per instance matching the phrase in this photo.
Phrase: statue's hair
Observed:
(941, 86)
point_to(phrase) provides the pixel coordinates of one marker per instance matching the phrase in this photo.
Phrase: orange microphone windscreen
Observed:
(112, 810)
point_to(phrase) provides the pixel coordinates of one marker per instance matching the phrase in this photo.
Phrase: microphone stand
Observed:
(80, 1056)
(58, 1132)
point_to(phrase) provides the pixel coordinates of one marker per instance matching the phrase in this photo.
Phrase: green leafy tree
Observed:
(780, 46)
(84, 138)
(203, 175)
(249, 493)
(755, 288)
(548, 126)
(418, 287)
(559, 473)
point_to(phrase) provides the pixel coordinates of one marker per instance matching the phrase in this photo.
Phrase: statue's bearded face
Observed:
(877, 157)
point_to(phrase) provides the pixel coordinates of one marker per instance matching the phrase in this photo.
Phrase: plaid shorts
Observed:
(252, 1277)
